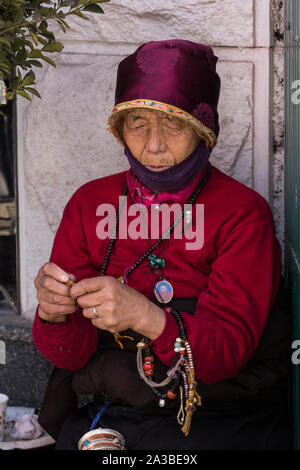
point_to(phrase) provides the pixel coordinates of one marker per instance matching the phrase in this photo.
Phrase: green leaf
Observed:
(44, 11)
(10, 95)
(21, 55)
(29, 44)
(48, 35)
(24, 94)
(94, 8)
(8, 49)
(61, 25)
(33, 62)
(29, 79)
(34, 37)
(35, 54)
(42, 41)
(64, 22)
(18, 43)
(43, 26)
(19, 15)
(5, 67)
(53, 47)
(79, 13)
(33, 91)
(4, 41)
(50, 61)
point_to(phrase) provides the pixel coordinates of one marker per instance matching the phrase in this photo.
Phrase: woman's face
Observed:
(158, 140)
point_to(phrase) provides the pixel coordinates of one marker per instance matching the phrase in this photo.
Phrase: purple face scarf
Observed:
(174, 178)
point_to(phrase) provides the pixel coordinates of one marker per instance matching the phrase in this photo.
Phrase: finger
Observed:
(93, 313)
(91, 299)
(52, 270)
(91, 285)
(52, 309)
(50, 284)
(71, 280)
(44, 295)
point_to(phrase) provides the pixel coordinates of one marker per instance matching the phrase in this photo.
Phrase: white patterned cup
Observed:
(3, 405)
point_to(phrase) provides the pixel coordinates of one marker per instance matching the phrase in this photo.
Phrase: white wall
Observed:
(63, 140)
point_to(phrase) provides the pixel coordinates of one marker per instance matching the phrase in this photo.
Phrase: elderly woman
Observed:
(182, 345)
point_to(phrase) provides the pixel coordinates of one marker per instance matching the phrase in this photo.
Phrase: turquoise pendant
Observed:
(156, 263)
(163, 291)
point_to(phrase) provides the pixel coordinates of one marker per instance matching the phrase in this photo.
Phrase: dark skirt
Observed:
(252, 425)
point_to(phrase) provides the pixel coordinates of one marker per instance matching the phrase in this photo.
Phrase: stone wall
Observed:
(63, 140)
(278, 119)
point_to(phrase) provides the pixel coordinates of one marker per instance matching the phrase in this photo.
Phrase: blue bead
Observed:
(86, 443)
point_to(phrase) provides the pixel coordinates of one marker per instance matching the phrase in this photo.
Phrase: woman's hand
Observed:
(53, 294)
(118, 307)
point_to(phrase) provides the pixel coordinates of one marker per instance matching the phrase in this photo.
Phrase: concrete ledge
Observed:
(25, 373)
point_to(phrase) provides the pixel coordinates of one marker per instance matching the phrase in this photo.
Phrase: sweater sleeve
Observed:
(231, 312)
(69, 345)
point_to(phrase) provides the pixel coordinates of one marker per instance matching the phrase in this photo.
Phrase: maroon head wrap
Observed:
(175, 76)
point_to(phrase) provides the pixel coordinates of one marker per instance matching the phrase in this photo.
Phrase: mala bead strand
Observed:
(172, 392)
(113, 236)
(188, 372)
(148, 379)
(147, 372)
(185, 385)
(146, 367)
(170, 230)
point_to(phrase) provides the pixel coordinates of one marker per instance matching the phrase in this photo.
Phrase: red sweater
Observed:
(235, 276)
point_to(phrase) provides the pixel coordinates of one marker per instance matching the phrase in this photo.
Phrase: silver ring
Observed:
(96, 314)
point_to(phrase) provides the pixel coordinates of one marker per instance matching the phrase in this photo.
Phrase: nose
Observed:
(155, 144)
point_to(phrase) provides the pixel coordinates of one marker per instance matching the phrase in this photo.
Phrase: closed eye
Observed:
(136, 122)
(171, 123)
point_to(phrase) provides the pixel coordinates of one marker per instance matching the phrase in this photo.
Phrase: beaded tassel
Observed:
(183, 370)
(192, 396)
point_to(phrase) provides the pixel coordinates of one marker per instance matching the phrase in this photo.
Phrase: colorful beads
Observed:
(149, 358)
(181, 374)
(171, 395)
(155, 262)
(148, 365)
(149, 373)
(179, 346)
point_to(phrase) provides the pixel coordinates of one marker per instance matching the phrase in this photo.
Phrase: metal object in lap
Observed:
(102, 439)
